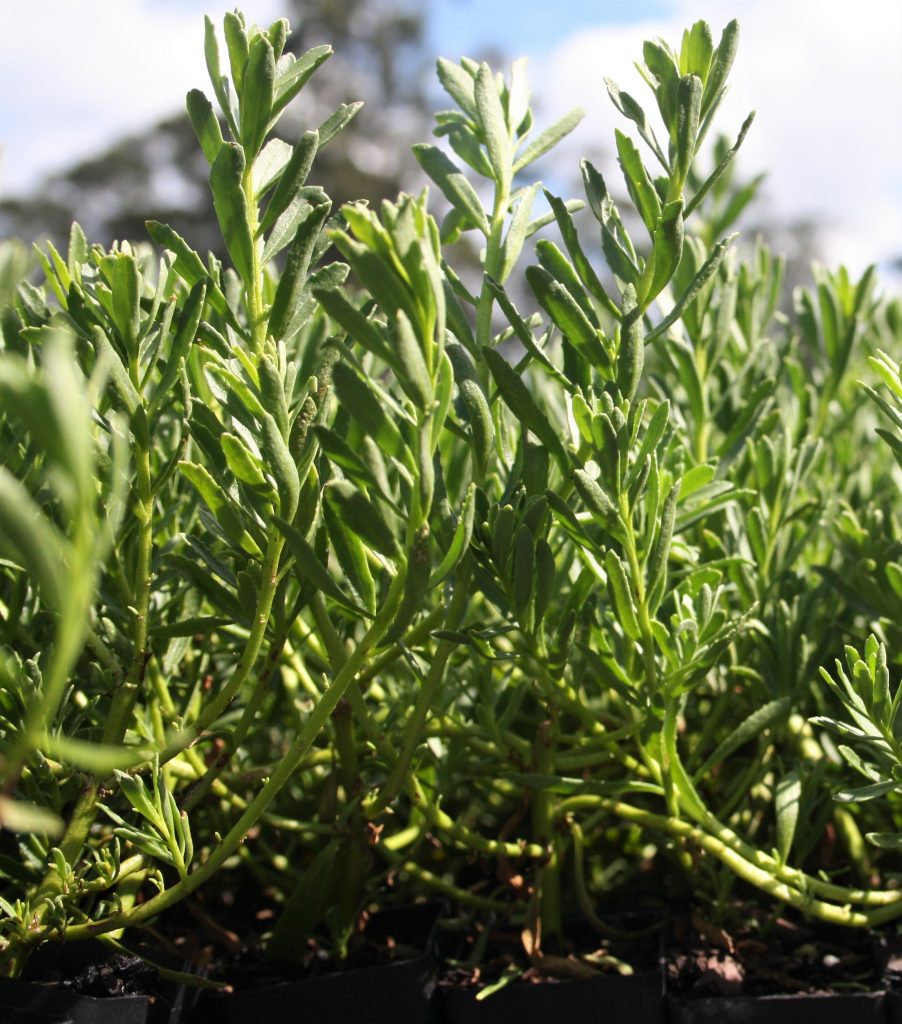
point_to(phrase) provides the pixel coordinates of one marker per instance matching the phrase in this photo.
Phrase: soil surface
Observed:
(777, 957)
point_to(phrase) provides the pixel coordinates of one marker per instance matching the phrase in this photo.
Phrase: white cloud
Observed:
(825, 78)
(75, 76)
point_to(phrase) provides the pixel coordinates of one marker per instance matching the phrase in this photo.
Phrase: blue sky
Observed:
(825, 77)
(461, 27)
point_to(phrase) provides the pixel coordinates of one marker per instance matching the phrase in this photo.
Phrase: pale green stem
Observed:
(282, 773)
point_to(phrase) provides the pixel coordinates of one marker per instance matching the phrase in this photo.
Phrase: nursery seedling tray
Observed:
(607, 998)
(395, 991)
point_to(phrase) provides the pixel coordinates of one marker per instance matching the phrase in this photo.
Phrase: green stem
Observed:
(85, 812)
(492, 266)
(234, 739)
(430, 809)
(840, 914)
(638, 580)
(286, 768)
(255, 292)
(220, 703)
(123, 703)
(548, 875)
(415, 725)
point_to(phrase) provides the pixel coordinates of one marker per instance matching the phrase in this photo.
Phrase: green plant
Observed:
(193, 385)
(375, 569)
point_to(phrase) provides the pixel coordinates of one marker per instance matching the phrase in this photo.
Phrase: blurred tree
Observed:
(161, 173)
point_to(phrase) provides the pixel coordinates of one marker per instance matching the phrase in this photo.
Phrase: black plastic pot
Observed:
(398, 992)
(84, 983)
(28, 1002)
(890, 947)
(608, 999)
(612, 998)
(847, 1008)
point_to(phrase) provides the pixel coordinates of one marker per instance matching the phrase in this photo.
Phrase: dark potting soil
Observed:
(475, 954)
(762, 957)
(584, 979)
(389, 937)
(388, 976)
(86, 983)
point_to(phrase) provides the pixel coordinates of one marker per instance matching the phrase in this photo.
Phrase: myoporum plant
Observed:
(323, 565)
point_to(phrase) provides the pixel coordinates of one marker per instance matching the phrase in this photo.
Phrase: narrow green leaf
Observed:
(27, 539)
(709, 268)
(697, 50)
(365, 406)
(272, 390)
(571, 205)
(78, 250)
(631, 353)
(277, 459)
(378, 275)
(358, 327)
(787, 798)
(516, 232)
(459, 85)
(413, 375)
(237, 45)
(522, 331)
(119, 378)
(641, 190)
(721, 167)
(242, 462)
(290, 81)
(361, 516)
(666, 253)
(460, 540)
(561, 269)
(523, 575)
(311, 570)
(230, 204)
(657, 564)
(864, 793)
(621, 596)
(291, 179)
(494, 125)
(548, 139)
(285, 229)
(689, 96)
(567, 315)
(632, 109)
(205, 124)
(476, 406)
(453, 184)
(218, 80)
(288, 300)
(188, 265)
(185, 334)
(352, 557)
(336, 122)
(584, 269)
(257, 96)
(416, 585)
(121, 270)
(519, 400)
(215, 499)
(721, 63)
(271, 161)
(596, 498)
(339, 452)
